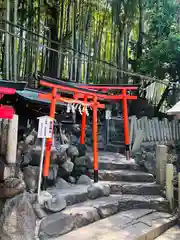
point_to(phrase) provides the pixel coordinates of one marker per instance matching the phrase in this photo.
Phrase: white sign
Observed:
(108, 114)
(45, 127)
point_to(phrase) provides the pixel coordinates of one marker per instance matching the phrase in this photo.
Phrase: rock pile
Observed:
(68, 161)
(20, 211)
(146, 157)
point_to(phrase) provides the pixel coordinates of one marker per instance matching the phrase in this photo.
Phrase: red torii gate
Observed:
(87, 92)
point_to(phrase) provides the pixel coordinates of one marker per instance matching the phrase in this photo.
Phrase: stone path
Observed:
(97, 211)
(131, 225)
(171, 234)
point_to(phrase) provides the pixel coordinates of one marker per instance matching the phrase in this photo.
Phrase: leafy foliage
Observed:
(92, 41)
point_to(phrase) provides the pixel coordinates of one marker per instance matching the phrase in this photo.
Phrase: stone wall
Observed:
(145, 156)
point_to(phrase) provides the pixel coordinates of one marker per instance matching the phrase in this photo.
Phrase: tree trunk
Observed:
(53, 56)
(141, 29)
(125, 60)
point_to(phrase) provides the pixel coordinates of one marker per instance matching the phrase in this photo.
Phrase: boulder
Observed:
(53, 172)
(84, 180)
(146, 157)
(61, 158)
(62, 153)
(55, 225)
(62, 184)
(26, 159)
(62, 173)
(44, 197)
(72, 180)
(76, 130)
(68, 166)
(18, 220)
(150, 163)
(74, 140)
(84, 161)
(39, 211)
(139, 157)
(56, 204)
(72, 152)
(36, 155)
(81, 149)
(58, 155)
(11, 187)
(20, 150)
(79, 170)
(31, 175)
(31, 137)
(98, 190)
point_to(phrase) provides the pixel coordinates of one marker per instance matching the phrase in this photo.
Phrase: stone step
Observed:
(171, 234)
(114, 161)
(82, 214)
(133, 188)
(124, 175)
(121, 165)
(127, 225)
(79, 193)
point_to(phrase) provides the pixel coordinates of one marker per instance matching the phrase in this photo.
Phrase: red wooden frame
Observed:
(90, 97)
(6, 112)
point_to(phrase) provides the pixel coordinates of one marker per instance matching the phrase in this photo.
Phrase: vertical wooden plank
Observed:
(170, 130)
(178, 129)
(150, 130)
(138, 141)
(167, 129)
(174, 129)
(143, 119)
(157, 128)
(138, 124)
(161, 131)
(164, 131)
(153, 130)
(135, 125)
(147, 129)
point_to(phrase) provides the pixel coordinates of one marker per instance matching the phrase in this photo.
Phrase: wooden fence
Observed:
(154, 130)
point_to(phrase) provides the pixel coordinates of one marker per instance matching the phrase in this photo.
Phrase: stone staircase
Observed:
(124, 204)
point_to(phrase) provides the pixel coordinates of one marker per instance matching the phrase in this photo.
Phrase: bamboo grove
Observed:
(104, 41)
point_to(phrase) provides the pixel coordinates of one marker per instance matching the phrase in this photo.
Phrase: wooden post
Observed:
(126, 125)
(49, 141)
(95, 140)
(12, 140)
(83, 125)
(169, 184)
(161, 160)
